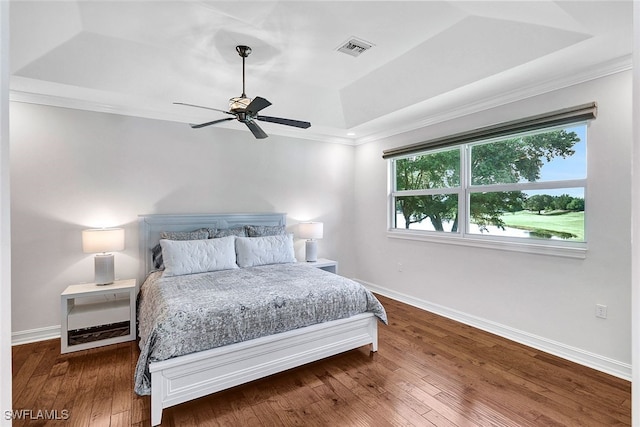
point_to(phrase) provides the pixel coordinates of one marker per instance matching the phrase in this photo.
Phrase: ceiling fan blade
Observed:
(288, 122)
(256, 105)
(207, 108)
(256, 130)
(201, 125)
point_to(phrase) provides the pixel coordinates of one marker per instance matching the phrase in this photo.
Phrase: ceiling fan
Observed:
(245, 109)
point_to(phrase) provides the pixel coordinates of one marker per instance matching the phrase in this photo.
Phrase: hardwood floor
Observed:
(429, 371)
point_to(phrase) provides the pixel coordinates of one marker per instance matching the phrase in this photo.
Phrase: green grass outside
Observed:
(568, 225)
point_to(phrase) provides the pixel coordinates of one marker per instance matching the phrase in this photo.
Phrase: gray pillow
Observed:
(239, 231)
(199, 234)
(266, 230)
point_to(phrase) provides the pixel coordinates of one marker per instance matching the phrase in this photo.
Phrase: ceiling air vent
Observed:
(354, 47)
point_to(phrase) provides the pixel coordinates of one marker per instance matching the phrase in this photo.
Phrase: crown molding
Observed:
(458, 110)
(323, 135)
(390, 125)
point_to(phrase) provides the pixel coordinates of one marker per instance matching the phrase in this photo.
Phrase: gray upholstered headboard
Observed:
(150, 227)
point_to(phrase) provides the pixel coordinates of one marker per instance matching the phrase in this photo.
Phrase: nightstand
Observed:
(93, 316)
(325, 264)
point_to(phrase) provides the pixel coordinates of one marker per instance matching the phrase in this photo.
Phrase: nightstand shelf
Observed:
(88, 321)
(325, 264)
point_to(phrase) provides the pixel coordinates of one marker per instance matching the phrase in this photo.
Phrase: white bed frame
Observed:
(195, 375)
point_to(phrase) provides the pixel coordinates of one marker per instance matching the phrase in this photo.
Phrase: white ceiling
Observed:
(431, 60)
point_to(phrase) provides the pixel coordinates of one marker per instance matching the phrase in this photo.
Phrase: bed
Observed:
(187, 352)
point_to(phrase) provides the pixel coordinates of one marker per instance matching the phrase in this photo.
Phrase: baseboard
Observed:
(577, 355)
(35, 335)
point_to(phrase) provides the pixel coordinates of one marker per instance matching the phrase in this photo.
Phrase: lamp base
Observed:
(104, 269)
(311, 251)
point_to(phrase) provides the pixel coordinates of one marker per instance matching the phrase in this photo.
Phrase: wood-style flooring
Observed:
(429, 371)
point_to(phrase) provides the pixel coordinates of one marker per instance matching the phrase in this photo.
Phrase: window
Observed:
(521, 187)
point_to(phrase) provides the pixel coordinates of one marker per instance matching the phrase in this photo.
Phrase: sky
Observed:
(574, 167)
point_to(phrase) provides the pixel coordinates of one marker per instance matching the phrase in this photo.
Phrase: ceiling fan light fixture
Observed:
(239, 103)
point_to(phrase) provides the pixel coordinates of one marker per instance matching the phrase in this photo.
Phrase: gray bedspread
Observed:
(185, 314)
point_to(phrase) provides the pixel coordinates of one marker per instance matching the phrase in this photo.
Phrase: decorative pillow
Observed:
(156, 251)
(252, 251)
(201, 233)
(265, 230)
(156, 257)
(240, 231)
(198, 256)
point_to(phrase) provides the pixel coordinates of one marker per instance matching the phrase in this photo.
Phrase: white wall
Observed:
(542, 299)
(73, 169)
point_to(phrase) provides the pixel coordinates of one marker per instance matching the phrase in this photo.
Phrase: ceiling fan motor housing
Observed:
(243, 116)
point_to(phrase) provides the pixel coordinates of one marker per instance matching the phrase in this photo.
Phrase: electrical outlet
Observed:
(399, 267)
(601, 311)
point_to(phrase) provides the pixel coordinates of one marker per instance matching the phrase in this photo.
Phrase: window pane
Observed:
(434, 170)
(547, 156)
(544, 214)
(434, 213)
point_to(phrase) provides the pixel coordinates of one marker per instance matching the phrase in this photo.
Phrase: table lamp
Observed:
(99, 241)
(311, 231)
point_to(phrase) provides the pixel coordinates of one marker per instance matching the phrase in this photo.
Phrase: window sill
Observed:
(577, 252)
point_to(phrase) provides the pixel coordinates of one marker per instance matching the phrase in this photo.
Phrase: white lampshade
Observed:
(98, 240)
(310, 230)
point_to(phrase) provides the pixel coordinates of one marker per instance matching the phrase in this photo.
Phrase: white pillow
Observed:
(252, 251)
(198, 256)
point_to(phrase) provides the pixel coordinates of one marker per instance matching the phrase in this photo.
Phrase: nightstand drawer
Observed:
(88, 315)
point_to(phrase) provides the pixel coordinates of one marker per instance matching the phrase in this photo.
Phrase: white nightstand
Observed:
(325, 264)
(84, 320)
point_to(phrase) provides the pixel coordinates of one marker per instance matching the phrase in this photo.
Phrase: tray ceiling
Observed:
(429, 60)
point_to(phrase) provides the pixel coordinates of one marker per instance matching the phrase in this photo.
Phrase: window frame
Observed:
(569, 249)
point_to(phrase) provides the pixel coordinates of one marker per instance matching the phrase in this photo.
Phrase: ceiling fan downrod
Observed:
(243, 51)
